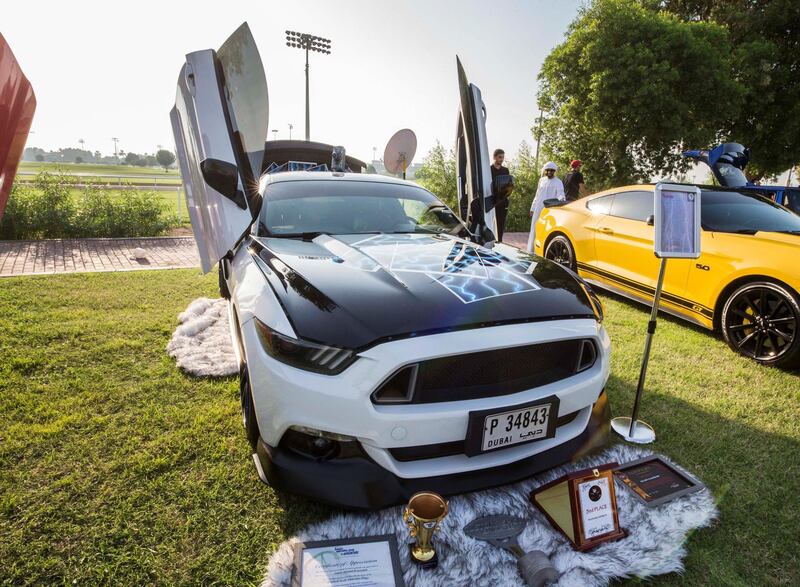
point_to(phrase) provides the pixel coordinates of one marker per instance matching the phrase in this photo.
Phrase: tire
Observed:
(248, 408)
(560, 250)
(761, 320)
(224, 293)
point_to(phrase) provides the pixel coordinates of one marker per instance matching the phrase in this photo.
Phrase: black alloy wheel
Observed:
(560, 250)
(761, 320)
(248, 409)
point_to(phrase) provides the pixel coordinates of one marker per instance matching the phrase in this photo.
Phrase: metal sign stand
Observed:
(632, 429)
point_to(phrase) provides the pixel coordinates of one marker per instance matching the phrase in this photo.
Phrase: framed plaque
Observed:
(583, 506)
(369, 561)
(677, 221)
(653, 480)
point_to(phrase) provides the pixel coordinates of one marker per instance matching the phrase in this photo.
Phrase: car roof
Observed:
(648, 187)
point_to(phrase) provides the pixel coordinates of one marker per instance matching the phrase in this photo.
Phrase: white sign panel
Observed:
(677, 221)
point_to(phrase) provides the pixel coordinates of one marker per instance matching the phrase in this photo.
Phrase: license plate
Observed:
(491, 430)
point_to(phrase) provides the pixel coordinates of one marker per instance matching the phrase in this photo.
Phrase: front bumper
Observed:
(359, 482)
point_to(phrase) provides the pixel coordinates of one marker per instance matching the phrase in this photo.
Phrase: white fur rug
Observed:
(655, 544)
(201, 345)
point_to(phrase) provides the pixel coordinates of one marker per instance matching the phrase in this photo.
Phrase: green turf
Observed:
(117, 469)
(35, 166)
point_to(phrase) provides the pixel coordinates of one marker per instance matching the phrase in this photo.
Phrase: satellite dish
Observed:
(400, 151)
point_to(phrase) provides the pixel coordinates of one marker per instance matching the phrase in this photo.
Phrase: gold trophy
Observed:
(423, 514)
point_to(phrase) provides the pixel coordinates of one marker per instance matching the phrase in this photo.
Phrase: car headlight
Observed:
(304, 354)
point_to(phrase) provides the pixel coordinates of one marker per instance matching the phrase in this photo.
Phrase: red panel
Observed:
(17, 104)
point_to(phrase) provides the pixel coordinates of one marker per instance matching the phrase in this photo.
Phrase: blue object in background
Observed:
(727, 162)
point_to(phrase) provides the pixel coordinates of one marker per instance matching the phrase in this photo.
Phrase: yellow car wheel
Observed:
(560, 250)
(761, 320)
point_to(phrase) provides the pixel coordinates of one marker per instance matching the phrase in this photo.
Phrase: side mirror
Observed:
(224, 178)
(554, 202)
(487, 236)
(651, 220)
(502, 186)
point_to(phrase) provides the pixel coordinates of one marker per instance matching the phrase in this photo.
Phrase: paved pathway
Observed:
(43, 257)
(516, 239)
(95, 254)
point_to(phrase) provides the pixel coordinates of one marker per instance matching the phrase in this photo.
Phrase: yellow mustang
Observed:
(745, 284)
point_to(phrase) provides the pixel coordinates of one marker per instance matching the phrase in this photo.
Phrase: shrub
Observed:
(48, 209)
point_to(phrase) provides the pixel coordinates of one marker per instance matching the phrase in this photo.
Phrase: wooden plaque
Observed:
(583, 506)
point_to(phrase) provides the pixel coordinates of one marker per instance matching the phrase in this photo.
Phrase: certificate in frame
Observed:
(653, 480)
(677, 221)
(367, 560)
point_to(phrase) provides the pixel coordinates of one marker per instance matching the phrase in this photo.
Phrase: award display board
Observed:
(370, 561)
(583, 506)
(677, 221)
(654, 481)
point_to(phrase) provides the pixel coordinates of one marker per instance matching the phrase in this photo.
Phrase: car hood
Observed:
(355, 290)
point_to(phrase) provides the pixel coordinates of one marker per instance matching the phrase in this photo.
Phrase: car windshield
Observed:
(300, 208)
(744, 212)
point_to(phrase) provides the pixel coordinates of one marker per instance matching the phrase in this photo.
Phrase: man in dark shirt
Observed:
(573, 182)
(501, 211)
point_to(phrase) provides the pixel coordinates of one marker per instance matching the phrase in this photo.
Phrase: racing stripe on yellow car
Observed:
(646, 289)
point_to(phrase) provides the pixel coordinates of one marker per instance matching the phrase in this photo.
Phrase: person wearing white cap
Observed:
(549, 187)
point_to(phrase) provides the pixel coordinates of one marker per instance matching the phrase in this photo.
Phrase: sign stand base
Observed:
(643, 433)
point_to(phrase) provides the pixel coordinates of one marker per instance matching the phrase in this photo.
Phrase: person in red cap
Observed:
(574, 187)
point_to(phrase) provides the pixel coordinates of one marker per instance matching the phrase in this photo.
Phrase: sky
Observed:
(103, 70)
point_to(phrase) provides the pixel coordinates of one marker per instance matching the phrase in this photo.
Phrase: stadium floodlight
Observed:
(307, 43)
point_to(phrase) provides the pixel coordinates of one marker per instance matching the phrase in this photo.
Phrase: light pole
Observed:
(291, 126)
(274, 134)
(308, 43)
(81, 142)
(116, 140)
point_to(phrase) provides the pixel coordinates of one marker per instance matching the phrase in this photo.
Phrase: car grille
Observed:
(487, 373)
(447, 449)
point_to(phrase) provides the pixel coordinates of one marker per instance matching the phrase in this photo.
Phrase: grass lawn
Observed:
(117, 469)
(89, 168)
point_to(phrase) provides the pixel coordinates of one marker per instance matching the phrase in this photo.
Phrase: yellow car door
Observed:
(624, 247)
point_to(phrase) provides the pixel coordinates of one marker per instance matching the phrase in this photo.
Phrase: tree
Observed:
(765, 37)
(438, 175)
(39, 157)
(78, 159)
(165, 159)
(630, 88)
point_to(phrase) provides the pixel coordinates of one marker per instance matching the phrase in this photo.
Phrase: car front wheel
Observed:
(761, 320)
(560, 250)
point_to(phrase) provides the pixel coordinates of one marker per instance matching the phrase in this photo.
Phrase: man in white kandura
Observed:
(549, 187)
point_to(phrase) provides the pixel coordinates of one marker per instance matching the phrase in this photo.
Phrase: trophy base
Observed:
(431, 563)
(643, 433)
